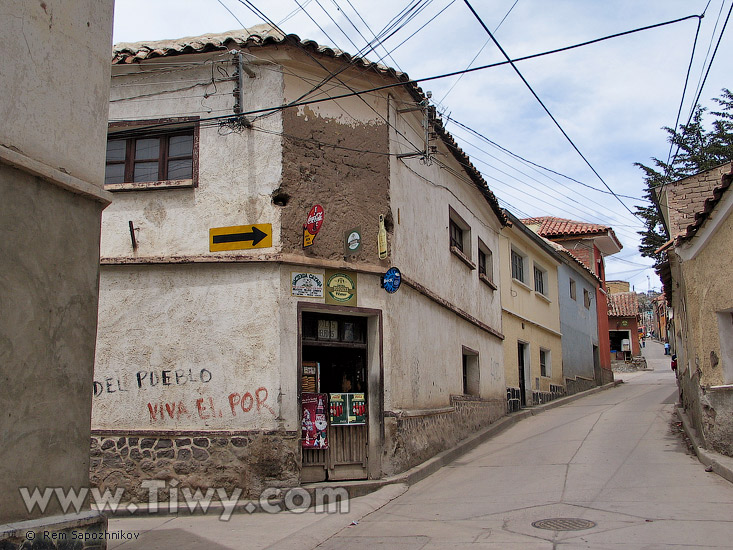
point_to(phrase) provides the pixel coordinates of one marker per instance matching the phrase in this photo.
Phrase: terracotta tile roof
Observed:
(550, 226)
(707, 207)
(623, 304)
(266, 35)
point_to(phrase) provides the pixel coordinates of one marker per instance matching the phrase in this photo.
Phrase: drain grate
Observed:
(564, 524)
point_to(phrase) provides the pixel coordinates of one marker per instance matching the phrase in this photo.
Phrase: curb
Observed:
(361, 488)
(717, 463)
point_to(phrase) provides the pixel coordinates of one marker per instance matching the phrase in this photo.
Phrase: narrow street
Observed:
(610, 458)
(613, 458)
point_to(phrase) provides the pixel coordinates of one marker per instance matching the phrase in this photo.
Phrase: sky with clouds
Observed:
(612, 98)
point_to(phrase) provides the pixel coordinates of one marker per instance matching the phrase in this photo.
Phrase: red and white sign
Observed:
(315, 220)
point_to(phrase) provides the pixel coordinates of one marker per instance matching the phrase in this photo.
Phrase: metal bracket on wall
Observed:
(132, 235)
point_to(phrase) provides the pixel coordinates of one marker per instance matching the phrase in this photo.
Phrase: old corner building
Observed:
(248, 336)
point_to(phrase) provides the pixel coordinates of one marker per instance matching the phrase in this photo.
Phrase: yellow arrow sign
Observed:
(240, 237)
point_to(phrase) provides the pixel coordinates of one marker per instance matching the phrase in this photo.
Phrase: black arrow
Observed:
(255, 236)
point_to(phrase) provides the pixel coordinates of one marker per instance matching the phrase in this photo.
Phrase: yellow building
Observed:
(530, 317)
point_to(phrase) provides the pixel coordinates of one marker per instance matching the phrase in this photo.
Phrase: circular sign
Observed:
(353, 241)
(391, 280)
(315, 220)
(341, 287)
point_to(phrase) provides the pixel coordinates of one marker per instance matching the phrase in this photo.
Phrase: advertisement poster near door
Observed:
(315, 423)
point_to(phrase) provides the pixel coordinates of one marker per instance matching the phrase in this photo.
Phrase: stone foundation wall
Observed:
(251, 461)
(578, 385)
(411, 440)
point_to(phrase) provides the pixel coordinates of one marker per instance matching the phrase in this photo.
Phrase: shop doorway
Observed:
(336, 409)
(620, 341)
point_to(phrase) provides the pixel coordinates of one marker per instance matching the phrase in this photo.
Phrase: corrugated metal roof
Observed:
(623, 304)
(265, 35)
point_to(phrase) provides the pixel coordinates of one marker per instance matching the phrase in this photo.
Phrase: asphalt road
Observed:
(611, 463)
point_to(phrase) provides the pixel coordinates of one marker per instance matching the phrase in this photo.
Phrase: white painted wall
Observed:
(237, 171)
(175, 339)
(428, 355)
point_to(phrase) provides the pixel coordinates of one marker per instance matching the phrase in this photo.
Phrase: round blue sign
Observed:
(391, 280)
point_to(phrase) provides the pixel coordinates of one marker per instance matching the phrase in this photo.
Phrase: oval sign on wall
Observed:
(315, 220)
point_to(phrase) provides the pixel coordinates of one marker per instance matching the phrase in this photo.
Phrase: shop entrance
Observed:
(334, 397)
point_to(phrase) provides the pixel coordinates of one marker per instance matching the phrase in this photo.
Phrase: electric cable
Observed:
(545, 107)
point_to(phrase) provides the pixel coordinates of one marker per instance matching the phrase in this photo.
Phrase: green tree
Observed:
(698, 150)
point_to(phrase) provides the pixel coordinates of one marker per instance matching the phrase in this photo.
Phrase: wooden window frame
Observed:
(517, 265)
(163, 129)
(573, 290)
(544, 364)
(460, 247)
(537, 270)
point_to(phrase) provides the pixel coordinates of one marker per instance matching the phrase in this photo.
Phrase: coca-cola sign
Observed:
(315, 220)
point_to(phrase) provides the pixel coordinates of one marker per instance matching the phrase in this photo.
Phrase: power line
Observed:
(529, 162)
(545, 107)
(407, 82)
(442, 99)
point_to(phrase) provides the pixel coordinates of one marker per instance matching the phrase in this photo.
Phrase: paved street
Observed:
(611, 458)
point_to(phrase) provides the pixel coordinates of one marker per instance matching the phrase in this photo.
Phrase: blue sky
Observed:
(611, 98)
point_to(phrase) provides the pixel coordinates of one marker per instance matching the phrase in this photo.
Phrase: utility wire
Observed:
(707, 72)
(545, 107)
(684, 90)
(414, 82)
(442, 99)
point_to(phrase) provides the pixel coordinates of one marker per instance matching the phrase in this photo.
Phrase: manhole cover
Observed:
(564, 524)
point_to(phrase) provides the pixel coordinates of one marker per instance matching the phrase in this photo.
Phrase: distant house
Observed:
(697, 213)
(623, 325)
(578, 288)
(530, 317)
(589, 243)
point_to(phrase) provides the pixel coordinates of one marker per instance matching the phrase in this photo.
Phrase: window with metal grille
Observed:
(517, 266)
(456, 235)
(539, 280)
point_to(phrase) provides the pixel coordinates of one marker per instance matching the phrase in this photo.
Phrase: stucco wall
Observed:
(517, 330)
(579, 325)
(48, 298)
(705, 292)
(53, 106)
(55, 72)
(421, 198)
(521, 298)
(179, 346)
(238, 171)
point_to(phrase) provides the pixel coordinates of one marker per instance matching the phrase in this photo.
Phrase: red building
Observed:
(623, 325)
